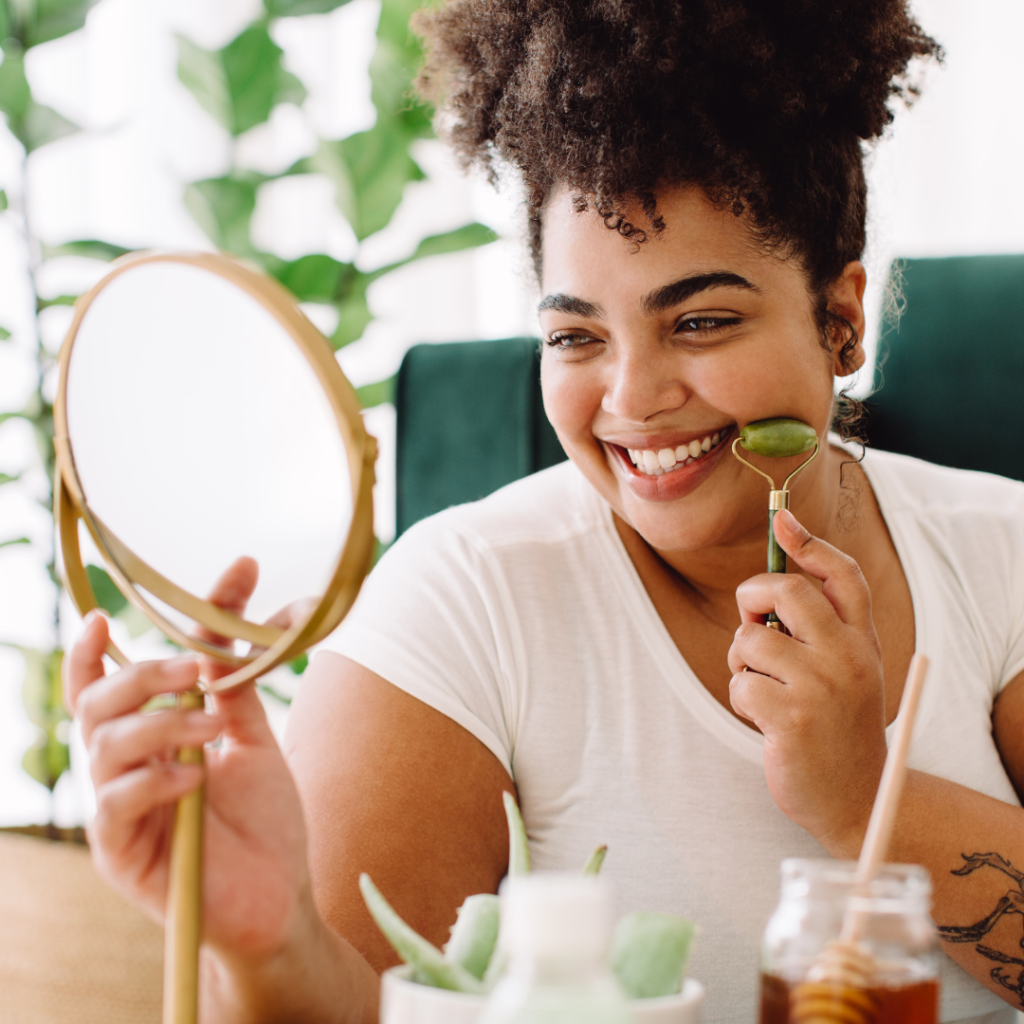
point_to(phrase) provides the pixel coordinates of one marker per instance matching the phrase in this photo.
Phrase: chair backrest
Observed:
(470, 420)
(951, 371)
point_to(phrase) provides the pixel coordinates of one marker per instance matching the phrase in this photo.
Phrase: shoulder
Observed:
(543, 510)
(905, 484)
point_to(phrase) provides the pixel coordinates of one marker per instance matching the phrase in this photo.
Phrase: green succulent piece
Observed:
(428, 963)
(474, 934)
(594, 861)
(649, 953)
(518, 847)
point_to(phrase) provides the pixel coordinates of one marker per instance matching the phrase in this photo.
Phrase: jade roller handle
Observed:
(776, 556)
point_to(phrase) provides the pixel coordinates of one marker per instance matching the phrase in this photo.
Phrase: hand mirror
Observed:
(200, 416)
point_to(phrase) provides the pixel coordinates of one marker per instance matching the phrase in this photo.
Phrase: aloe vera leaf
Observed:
(649, 952)
(778, 438)
(496, 969)
(474, 934)
(427, 961)
(518, 847)
(594, 861)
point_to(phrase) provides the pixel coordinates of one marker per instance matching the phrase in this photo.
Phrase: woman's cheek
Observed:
(571, 401)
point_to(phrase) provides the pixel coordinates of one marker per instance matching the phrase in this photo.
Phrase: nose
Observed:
(643, 382)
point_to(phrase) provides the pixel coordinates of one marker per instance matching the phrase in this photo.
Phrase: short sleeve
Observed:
(432, 619)
(1009, 562)
(1013, 666)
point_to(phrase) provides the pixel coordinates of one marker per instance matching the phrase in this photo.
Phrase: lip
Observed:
(672, 485)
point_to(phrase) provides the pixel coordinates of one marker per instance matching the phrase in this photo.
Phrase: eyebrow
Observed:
(571, 305)
(661, 299)
(679, 291)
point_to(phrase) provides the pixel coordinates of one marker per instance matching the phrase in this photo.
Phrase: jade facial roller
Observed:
(776, 439)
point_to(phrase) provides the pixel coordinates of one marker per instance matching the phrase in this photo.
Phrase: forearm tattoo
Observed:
(1012, 902)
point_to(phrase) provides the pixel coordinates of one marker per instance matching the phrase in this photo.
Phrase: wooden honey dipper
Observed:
(837, 987)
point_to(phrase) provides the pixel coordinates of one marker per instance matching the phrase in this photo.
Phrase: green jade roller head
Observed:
(779, 438)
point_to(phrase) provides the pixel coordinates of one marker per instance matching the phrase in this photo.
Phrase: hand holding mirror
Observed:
(199, 417)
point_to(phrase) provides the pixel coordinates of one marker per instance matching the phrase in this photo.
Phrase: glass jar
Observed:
(883, 970)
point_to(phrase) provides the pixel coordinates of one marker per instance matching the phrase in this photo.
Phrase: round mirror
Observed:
(200, 416)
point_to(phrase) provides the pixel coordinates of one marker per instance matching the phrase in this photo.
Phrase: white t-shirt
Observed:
(522, 618)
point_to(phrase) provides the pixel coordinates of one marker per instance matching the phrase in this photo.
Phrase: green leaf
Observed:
(370, 171)
(109, 598)
(14, 540)
(223, 207)
(90, 248)
(315, 278)
(6, 478)
(57, 300)
(256, 81)
(353, 315)
(202, 73)
(43, 124)
(649, 952)
(3, 200)
(32, 124)
(298, 665)
(377, 394)
(43, 20)
(15, 94)
(240, 84)
(47, 758)
(468, 237)
(296, 8)
(4, 334)
(394, 65)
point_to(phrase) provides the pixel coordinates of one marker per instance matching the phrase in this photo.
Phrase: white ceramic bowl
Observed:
(405, 1002)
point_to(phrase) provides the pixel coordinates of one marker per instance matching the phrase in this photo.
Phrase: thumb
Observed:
(842, 581)
(231, 592)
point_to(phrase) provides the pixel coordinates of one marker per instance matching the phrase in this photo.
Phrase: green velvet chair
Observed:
(470, 420)
(951, 371)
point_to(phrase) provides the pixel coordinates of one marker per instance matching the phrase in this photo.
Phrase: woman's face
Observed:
(666, 350)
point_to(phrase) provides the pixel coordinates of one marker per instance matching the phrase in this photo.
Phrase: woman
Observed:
(593, 636)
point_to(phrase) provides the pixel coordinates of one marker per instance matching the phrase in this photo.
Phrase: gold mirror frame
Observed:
(130, 572)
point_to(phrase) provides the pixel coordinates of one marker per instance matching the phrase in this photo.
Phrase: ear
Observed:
(846, 299)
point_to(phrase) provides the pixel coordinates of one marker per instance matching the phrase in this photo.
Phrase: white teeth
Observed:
(653, 462)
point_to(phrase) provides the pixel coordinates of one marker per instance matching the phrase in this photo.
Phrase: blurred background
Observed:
(285, 131)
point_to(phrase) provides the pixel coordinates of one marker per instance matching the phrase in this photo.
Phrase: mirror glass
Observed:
(200, 433)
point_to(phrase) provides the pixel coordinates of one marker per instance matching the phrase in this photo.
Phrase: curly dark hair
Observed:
(761, 103)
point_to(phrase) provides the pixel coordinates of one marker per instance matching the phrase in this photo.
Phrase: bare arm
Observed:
(392, 787)
(818, 698)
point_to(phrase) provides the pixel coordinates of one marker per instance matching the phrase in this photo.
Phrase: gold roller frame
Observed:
(183, 928)
(130, 572)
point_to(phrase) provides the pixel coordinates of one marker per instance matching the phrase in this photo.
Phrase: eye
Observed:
(568, 341)
(703, 326)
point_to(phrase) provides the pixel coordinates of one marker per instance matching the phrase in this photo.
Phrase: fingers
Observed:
(84, 663)
(126, 691)
(123, 802)
(243, 716)
(807, 613)
(844, 585)
(131, 741)
(231, 592)
(759, 698)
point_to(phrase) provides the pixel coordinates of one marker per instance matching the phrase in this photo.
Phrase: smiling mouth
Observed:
(658, 462)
